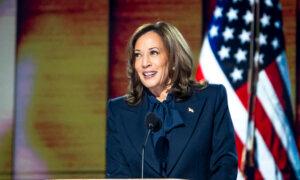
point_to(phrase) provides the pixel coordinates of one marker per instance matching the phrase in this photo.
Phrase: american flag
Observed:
(224, 59)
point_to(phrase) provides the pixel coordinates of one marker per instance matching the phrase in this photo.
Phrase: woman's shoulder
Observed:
(209, 89)
(117, 101)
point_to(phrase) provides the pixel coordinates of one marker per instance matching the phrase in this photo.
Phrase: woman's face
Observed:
(151, 62)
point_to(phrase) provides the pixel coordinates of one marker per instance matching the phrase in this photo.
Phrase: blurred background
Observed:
(60, 60)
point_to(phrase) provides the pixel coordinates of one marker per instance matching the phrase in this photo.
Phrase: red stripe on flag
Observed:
(272, 140)
(242, 93)
(199, 74)
(257, 175)
(276, 80)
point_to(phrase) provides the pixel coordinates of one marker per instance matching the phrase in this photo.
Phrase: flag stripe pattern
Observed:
(224, 59)
(237, 110)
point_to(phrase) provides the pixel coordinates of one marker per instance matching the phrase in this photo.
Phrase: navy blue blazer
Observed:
(204, 148)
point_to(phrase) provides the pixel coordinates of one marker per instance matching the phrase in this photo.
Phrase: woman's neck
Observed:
(162, 93)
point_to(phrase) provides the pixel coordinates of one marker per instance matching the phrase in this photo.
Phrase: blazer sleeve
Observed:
(223, 163)
(116, 165)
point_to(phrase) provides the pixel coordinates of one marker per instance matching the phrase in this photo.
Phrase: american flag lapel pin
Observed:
(190, 110)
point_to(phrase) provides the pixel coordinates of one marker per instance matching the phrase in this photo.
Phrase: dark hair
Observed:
(180, 62)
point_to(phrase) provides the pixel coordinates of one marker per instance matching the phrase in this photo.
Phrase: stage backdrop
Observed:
(66, 59)
(61, 74)
(7, 76)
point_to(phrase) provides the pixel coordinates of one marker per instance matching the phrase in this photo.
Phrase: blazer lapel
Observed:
(136, 130)
(190, 112)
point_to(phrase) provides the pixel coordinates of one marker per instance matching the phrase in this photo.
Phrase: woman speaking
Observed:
(191, 135)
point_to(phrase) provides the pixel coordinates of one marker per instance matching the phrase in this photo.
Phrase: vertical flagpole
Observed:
(248, 158)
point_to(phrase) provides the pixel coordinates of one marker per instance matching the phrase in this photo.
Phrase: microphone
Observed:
(161, 152)
(153, 124)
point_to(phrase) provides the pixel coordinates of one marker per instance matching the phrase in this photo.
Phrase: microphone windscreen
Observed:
(153, 122)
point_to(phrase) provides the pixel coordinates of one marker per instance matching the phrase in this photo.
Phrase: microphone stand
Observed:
(153, 124)
(143, 153)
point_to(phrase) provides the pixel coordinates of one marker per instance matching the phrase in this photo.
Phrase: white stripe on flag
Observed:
(214, 74)
(267, 166)
(284, 72)
(273, 108)
(239, 175)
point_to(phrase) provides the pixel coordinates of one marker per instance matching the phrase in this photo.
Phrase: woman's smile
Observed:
(149, 74)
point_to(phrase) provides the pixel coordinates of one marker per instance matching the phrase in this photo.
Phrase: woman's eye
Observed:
(154, 52)
(137, 55)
